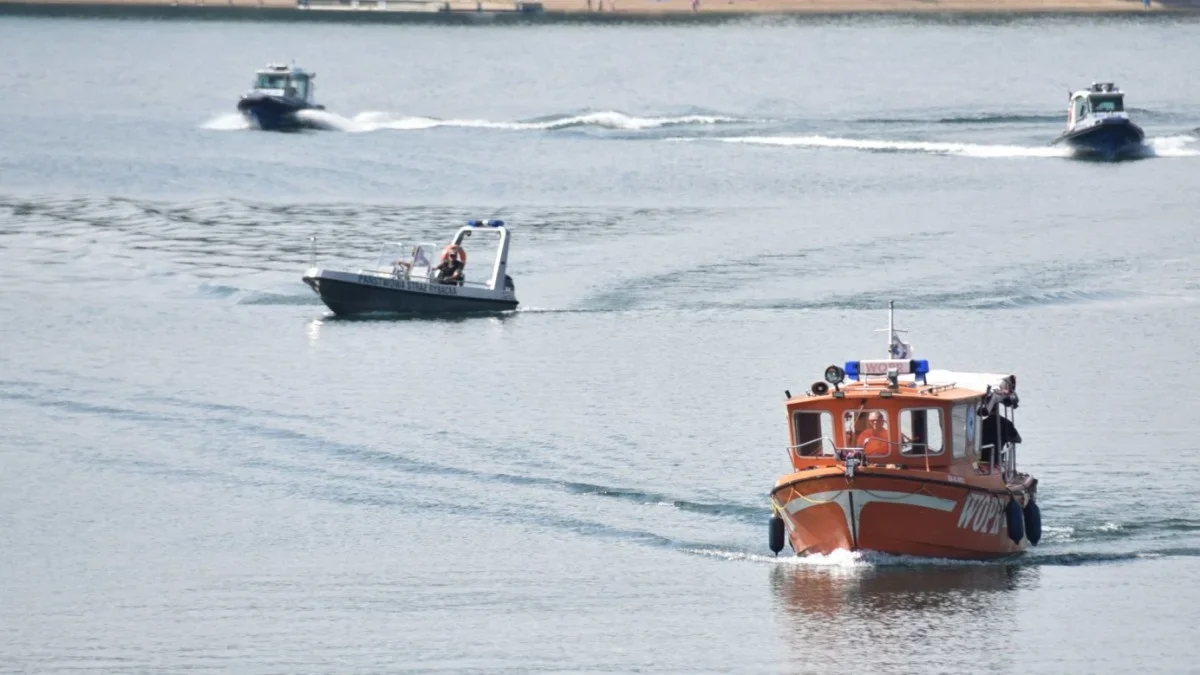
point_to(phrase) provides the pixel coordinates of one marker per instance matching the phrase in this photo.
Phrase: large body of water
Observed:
(200, 471)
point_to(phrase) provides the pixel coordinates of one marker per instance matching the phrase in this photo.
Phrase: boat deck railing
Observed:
(995, 466)
(387, 273)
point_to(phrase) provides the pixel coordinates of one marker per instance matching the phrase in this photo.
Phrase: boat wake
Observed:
(852, 560)
(1167, 146)
(227, 122)
(1174, 146)
(879, 145)
(247, 296)
(966, 119)
(371, 121)
(606, 119)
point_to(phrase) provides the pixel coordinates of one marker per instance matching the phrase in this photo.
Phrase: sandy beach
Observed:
(849, 6)
(664, 8)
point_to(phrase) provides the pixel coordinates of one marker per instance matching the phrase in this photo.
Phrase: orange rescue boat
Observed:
(888, 455)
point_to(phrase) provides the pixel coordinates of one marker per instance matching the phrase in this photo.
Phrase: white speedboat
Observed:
(1098, 125)
(279, 93)
(424, 278)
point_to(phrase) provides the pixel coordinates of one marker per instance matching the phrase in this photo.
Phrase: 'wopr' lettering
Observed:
(981, 513)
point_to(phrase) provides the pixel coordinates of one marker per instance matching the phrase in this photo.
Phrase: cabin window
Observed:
(921, 431)
(1080, 108)
(973, 435)
(269, 81)
(1107, 104)
(869, 430)
(964, 425)
(814, 433)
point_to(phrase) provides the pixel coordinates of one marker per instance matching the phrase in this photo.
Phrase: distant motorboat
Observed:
(423, 279)
(1097, 124)
(279, 92)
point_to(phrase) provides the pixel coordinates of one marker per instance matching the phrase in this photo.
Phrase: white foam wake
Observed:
(840, 558)
(1175, 146)
(610, 119)
(381, 121)
(227, 122)
(927, 147)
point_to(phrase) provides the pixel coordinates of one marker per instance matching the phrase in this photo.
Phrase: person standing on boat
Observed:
(874, 439)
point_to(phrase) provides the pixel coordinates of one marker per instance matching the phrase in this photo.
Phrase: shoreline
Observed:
(578, 10)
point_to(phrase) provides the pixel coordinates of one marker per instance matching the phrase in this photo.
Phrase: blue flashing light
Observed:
(496, 223)
(475, 223)
(920, 368)
(851, 370)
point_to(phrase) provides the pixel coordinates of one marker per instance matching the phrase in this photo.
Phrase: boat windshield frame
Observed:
(1095, 99)
(407, 260)
(291, 83)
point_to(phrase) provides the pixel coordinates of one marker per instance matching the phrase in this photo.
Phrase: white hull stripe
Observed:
(852, 507)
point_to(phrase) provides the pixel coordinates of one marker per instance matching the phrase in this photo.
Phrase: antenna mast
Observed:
(891, 327)
(897, 349)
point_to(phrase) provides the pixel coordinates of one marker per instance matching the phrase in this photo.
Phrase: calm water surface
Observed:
(200, 470)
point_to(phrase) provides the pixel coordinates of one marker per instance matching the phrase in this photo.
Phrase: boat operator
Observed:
(874, 439)
(450, 271)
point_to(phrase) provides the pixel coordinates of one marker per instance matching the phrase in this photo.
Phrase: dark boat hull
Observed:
(275, 113)
(1109, 139)
(348, 298)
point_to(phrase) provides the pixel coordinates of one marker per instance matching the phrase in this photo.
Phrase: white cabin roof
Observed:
(281, 69)
(965, 380)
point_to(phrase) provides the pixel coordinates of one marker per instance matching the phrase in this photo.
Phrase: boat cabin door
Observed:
(300, 86)
(1078, 110)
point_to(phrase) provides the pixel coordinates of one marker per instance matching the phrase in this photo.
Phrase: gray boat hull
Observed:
(348, 298)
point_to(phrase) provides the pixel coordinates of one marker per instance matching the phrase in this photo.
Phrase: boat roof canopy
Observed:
(477, 225)
(1099, 89)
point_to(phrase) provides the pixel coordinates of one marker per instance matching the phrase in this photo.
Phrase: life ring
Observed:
(454, 250)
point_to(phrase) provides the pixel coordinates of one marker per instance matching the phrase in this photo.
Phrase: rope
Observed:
(819, 501)
(924, 490)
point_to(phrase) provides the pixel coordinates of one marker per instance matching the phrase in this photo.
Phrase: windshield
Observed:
(270, 81)
(292, 86)
(1105, 104)
(407, 260)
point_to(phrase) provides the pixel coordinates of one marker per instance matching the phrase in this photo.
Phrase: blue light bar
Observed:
(880, 367)
(851, 369)
(496, 223)
(475, 223)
